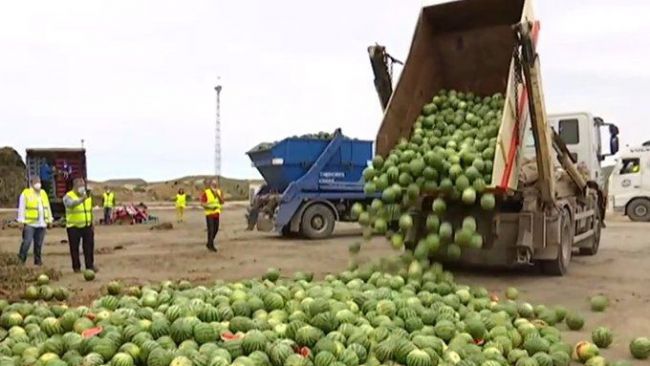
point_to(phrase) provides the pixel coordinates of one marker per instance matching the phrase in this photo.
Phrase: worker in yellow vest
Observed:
(79, 224)
(109, 204)
(212, 201)
(181, 202)
(34, 215)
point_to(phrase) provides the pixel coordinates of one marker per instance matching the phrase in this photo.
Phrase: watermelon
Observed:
(432, 223)
(599, 303)
(583, 351)
(405, 222)
(89, 275)
(488, 201)
(439, 206)
(42, 279)
(640, 348)
(602, 337)
(574, 321)
(114, 287)
(122, 359)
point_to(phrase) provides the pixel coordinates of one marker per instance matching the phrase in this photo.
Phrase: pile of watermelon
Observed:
(449, 156)
(393, 313)
(310, 136)
(43, 291)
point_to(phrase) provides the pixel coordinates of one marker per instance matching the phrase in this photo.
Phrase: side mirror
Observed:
(613, 144)
(613, 131)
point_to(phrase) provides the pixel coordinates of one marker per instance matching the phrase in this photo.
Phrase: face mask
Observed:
(37, 186)
(81, 190)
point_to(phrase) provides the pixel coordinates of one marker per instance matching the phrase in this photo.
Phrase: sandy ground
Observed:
(136, 254)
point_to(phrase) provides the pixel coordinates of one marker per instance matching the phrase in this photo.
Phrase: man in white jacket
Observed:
(34, 215)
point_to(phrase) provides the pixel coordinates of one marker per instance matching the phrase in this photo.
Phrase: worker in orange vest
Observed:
(212, 201)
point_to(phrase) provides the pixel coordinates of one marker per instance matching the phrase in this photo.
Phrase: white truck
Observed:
(629, 185)
(490, 49)
(581, 132)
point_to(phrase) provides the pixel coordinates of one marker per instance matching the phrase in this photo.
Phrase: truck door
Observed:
(626, 181)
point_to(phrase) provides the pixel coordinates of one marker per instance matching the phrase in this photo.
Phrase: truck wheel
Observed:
(559, 266)
(317, 222)
(638, 210)
(595, 241)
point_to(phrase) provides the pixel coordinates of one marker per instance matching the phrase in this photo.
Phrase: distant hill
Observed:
(137, 190)
(119, 182)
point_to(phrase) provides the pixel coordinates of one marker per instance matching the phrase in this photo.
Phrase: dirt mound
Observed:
(12, 176)
(14, 276)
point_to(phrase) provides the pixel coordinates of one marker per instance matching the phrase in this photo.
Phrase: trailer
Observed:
(310, 183)
(488, 47)
(56, 167)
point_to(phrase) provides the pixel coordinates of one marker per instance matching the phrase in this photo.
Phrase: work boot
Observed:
(211, 248)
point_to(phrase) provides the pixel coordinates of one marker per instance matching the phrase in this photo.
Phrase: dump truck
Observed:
(488, 47)
(310, 183)
(56, 167)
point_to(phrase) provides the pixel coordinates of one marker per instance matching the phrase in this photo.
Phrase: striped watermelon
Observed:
(254, 340)
(159, 357)
(181, 361)
(122, 359)
(204, 333)
(93, 359)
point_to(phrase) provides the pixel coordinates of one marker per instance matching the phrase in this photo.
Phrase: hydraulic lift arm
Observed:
(382, 67)
(539, 124)
(545, 137)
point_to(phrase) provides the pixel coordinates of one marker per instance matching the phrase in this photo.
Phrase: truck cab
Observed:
(581, 132)
(629, 186)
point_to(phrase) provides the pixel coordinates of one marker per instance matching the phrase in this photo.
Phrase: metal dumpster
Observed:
(310, 183)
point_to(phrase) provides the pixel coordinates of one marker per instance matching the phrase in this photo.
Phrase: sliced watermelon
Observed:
(91, 332)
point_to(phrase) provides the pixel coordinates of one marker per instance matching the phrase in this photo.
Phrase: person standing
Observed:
(46, 174)
(34, 215)
(79, 224)
(212, 201)
(181, 202)
(66, 171)
(109, 204)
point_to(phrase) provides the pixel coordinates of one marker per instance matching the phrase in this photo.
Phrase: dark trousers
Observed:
(213, 229)
(86, 236)
(32, 234)
(108, 212)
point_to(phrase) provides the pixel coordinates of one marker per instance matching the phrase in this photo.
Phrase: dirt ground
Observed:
(136, 254)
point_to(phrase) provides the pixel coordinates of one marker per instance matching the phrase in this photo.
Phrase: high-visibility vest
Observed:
(31, 205)
(213, 204)
(80, 215)
(181, 199)
(109, 199)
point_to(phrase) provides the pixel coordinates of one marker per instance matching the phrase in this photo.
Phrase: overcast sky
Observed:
(135, 78)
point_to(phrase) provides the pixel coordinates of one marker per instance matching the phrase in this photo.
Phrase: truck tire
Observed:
(638, 209)
(560, 265)
(595, 240)
(317, 222)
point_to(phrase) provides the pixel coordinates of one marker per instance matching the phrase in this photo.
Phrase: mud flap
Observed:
(553, 238)
(525, 243)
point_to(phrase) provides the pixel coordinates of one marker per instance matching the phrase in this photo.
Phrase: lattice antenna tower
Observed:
(217, 132)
